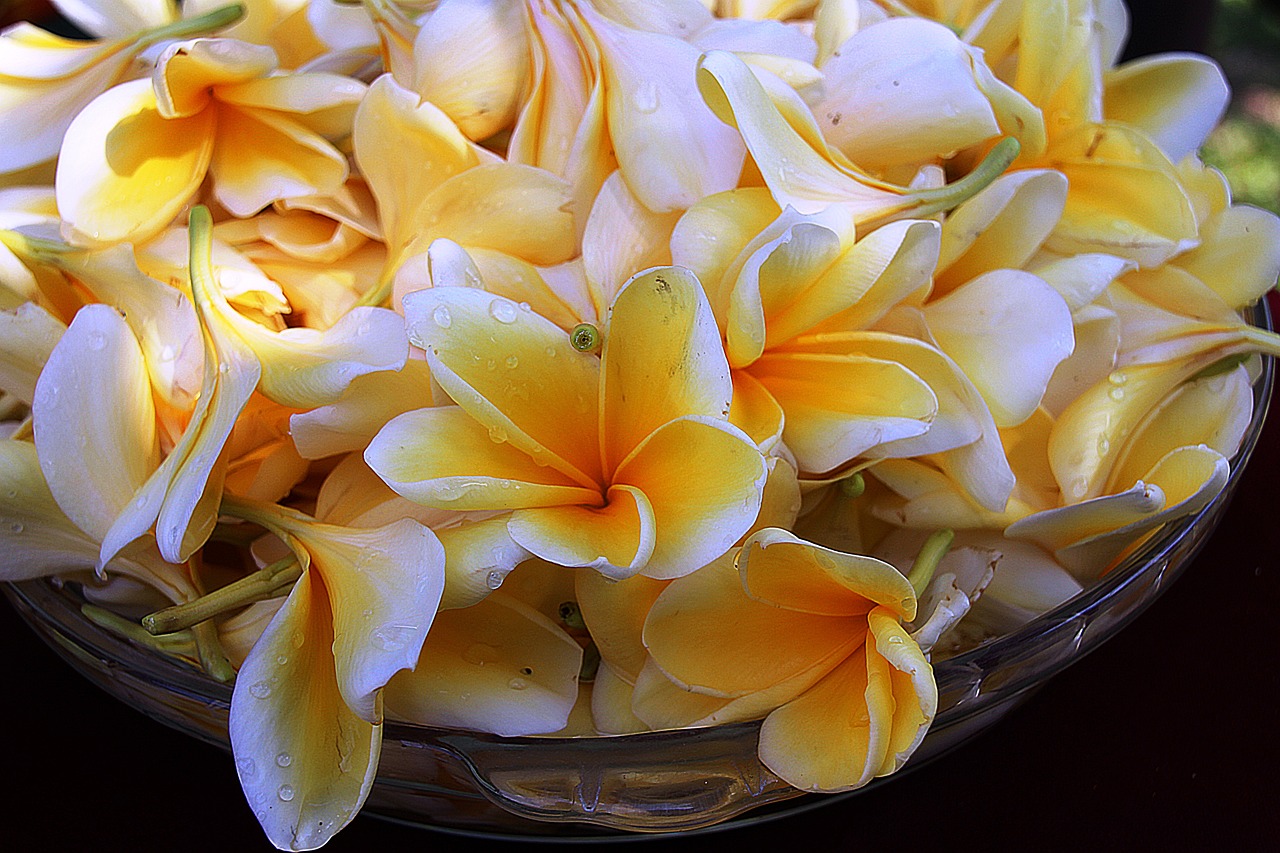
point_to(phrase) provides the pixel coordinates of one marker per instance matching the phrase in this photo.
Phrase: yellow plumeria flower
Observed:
(306, 713)
(581, 449)
(809, 638)
(45, 79)
(136, 155)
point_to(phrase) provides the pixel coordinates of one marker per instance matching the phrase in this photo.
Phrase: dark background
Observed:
(1163, 737)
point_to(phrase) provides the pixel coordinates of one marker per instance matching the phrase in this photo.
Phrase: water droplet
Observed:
(513, 362)
(895, 641)
(1104, 446)
(1079, 488)
(393, 638)
(285, 793)
(503, 310)
(97, 341)
(646, 99)
(281, 660)
(526, 307)
(442, 317)
(224, 367)
(284, 759)
(261, 690)
(497, 434)
(480, 654)
(1117, 377)
(140, 502)
(1117, 394)
(494, 579)
(363, 329)
(297, 639)
(367, 613)
(551, 352)
(167, 354)
(248, 769)
(517, 684)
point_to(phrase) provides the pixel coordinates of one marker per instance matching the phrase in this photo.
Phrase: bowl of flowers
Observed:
(582, 417)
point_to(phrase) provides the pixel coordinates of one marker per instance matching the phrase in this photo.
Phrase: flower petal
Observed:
(28, 335)
(621, 237)
(514, 371)
(370, 401)
(124, 171)
(478, 556)
(498, 666)
(1176, 99)
(306, 761)
(616, 539)
(662, 360)
(442, 457)
(615, 612)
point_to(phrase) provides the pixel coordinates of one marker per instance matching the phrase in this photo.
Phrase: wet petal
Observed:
(514, 371)
(703, 479)
(478, 557)
(662, 360)
(306, 761)
(364, 408)
(498, 666)
(93, 404)
(915, 694)
(621, 237)
(442, 457)
(616, 539)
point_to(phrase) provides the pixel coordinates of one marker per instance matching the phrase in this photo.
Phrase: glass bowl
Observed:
(653, 782)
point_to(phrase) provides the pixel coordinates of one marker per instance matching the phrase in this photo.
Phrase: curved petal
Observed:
(1238, 256)
(442, 457)
(616, 539)
(704, 480)
(515, 372)
(783, 570)
(124, 171)
(621, 237)
(611, 712)
(662, 360)
(28, 335)
(1175, 98)
(94, 420)
(498, 666)
(915, 693)
(709, 637)
(755, 412)
(839, 407)
(478, 555)
(1008, 331)
(306, 761)
(615, 612)
(350, 423)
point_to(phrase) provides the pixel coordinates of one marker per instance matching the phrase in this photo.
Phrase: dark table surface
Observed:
(1163, 736)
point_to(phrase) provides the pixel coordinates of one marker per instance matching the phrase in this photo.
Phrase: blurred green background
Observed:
(1245, 40)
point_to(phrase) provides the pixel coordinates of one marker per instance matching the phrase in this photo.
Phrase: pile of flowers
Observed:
(586, 367)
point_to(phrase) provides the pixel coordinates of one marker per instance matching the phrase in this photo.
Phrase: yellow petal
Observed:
(621, 237)
(709, 637)
(1238, 256)
(703, 479)
(514, 371)
(616, 539)
(498, 666)
(615, 612)
(915, 693)
(880, 401)
(27, 337)
(1175, 99)
(93, 403)
(834, 736)
(306, 761)
(188, 72)
(124, 171)
(755, 412)
(478, 557)
(780, 569)
(368, 403)
(442, 457)
(662, 360)
(611, 712)
(1008, 331)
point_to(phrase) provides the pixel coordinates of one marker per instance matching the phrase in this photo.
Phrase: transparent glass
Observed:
(657, 781)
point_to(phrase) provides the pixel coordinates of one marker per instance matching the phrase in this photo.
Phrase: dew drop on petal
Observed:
(248, 769)
(442, 317)
(285, 793)
(494, 579)
(517, 684)
(513, 362)
(261, 690)
(646, 99)
(97, 341)
(1116, 394)
(503, 310)
(284, 759)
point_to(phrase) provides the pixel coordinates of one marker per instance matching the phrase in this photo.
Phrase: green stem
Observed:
(212, 657)
(176, 643)
(936, 200)
(926, 562)
(262, 584)
(223, 16)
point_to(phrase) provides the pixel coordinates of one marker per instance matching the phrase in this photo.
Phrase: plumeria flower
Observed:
(45, 79)
(579, 449)
(809, 638)
(306, 712)
(212, 106)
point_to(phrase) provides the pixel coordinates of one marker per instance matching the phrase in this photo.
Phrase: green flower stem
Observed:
(262, 584)
(209, 650)
(176, 643)
(998, 159)
(926, 562)
(223, 16)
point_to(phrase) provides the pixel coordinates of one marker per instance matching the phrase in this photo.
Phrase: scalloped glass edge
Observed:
(678, 780)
